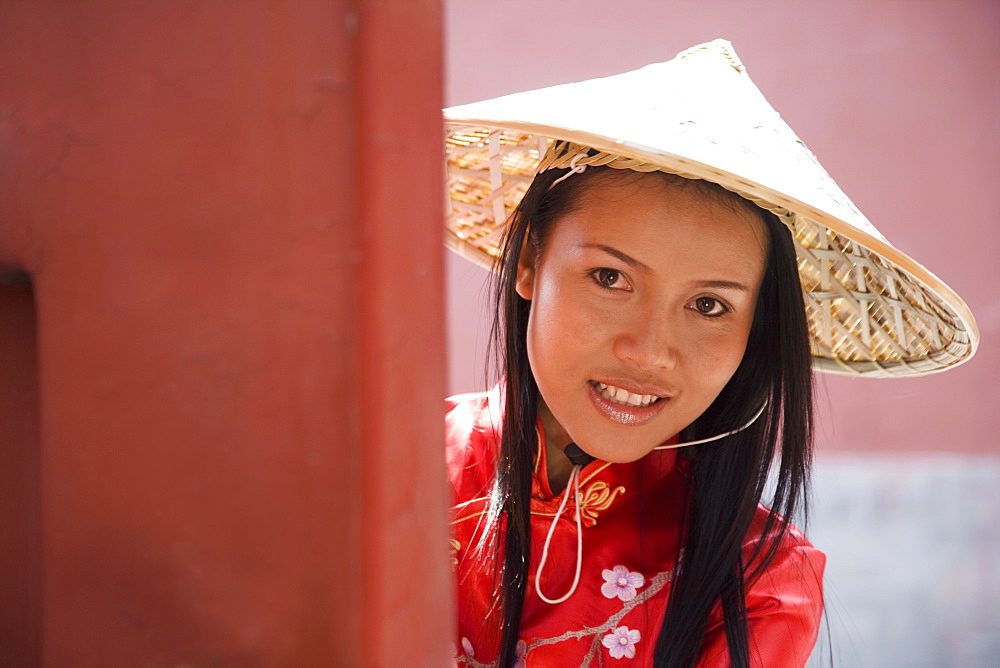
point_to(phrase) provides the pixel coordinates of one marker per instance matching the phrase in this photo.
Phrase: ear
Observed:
(525, 283)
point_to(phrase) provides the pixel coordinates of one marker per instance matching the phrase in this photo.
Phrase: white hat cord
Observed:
(574, 482)
(573, 169)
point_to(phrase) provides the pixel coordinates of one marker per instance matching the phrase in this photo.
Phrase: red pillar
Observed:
(230, 215)
(402, 281)
(20, 480)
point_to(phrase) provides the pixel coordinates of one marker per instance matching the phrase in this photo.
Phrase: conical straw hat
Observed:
(872, 310)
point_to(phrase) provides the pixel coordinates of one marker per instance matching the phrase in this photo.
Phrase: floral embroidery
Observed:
(467, 647)
(621, 582)
(595, 497)
(455, 547)
(656, 584)
(621, 642)
(520, 650)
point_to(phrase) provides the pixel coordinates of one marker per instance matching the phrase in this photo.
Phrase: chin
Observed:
(618, 455)
(622, 458)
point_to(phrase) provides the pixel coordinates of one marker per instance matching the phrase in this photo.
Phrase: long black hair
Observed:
(727, 478)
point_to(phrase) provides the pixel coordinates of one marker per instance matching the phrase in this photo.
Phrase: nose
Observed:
(650, 339)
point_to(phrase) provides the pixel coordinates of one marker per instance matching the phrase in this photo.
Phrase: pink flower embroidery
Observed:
(520, 650)
(621, 582)
(467, 648)
(621, 642)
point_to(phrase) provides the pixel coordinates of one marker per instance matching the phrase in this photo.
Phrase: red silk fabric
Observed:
(631, 529)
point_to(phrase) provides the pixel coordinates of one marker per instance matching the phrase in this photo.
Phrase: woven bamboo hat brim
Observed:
(872, 310)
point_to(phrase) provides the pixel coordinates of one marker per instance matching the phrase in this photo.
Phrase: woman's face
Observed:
(641, 306)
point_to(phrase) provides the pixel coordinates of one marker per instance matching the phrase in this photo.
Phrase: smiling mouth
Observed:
(617, 395)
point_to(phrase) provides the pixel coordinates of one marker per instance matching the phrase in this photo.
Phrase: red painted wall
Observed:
(898, 99)
(215, 202)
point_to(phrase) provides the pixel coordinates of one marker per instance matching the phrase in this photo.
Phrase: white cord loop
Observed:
(573, 169)
(574, 480)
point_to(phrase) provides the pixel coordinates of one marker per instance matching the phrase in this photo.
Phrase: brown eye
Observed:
(607, 277)
(709, 306)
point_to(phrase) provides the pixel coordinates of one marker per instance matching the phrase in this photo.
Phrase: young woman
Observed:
(656, 353)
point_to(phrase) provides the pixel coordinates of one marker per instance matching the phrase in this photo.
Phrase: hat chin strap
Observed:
(581, 459)
(715, 438)
(573, 169)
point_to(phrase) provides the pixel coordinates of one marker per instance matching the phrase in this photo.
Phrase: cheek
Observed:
(547, 325)
(562, 333)
(718, 358)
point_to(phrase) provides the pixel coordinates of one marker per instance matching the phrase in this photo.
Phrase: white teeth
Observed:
(624, 397)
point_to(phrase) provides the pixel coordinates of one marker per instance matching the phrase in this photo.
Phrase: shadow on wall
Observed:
(913, 570)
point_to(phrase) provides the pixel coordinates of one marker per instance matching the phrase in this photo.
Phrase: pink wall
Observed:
(899, 100)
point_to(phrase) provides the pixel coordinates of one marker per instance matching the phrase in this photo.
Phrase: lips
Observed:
(627, 407)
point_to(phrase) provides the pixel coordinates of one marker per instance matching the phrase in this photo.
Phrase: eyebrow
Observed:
(627, 259)
(632, 262)
(723, 285)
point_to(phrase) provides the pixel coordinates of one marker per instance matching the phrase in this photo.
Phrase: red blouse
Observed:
(631, 517)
